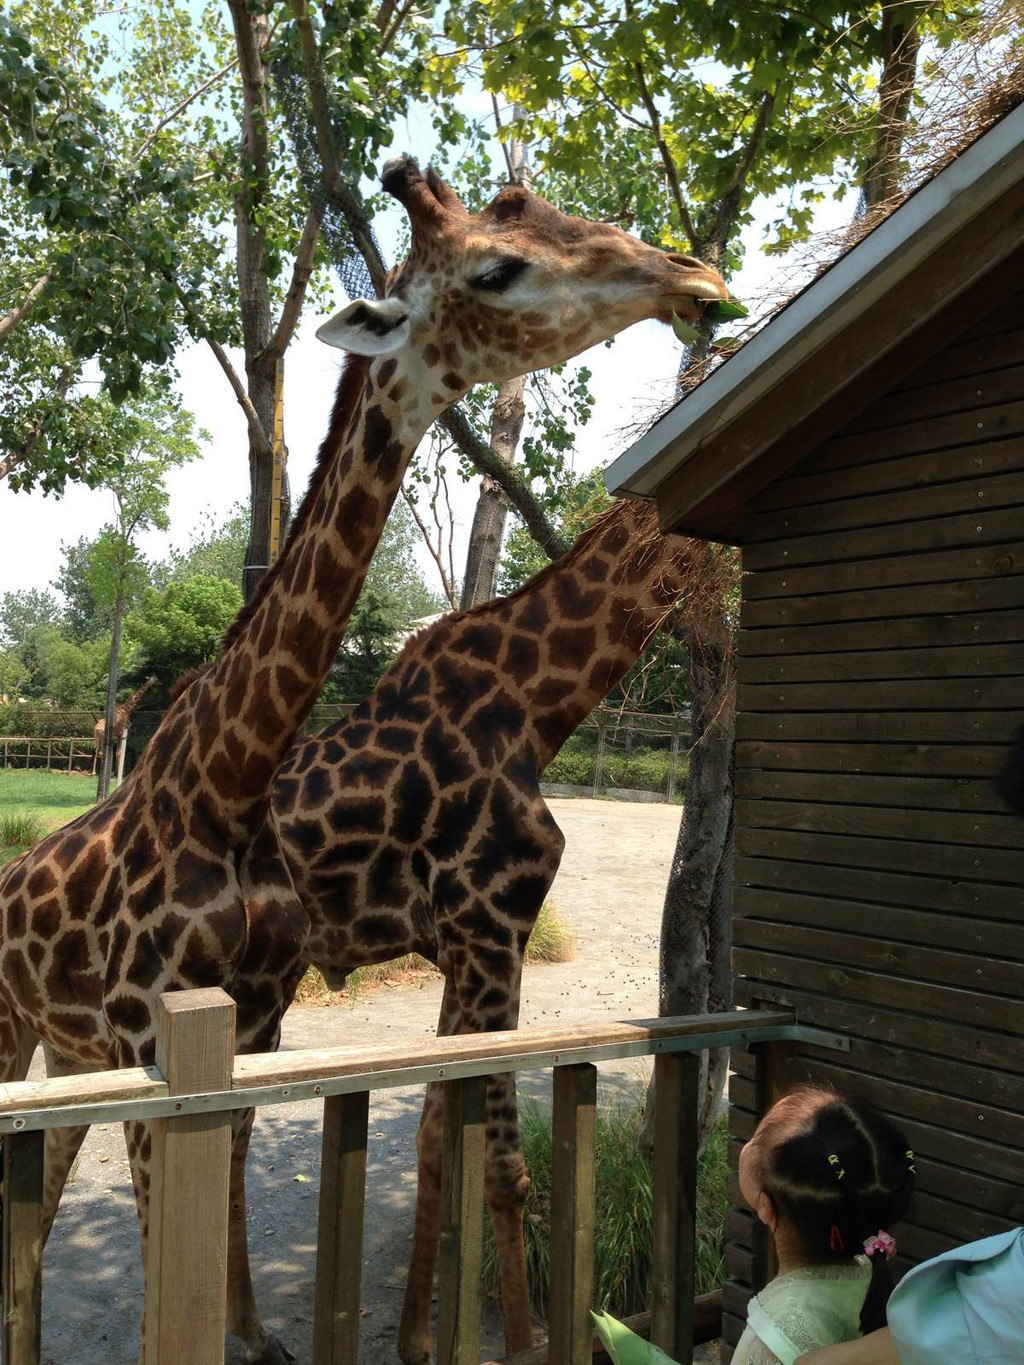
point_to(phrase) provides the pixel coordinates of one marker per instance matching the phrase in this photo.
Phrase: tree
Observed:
(22, 611)
(179, 627)
(157, 436)
(217, 551)
(97, 220)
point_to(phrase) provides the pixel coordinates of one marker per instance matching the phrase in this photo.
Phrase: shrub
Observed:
(574, 762)
(20, 830)
(622, 1271)
(551, 940)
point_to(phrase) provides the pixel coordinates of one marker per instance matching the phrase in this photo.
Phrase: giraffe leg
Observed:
(62, 1144)
(506, 1185)
(414, 1333)
(243, 1318)
(505, 1182)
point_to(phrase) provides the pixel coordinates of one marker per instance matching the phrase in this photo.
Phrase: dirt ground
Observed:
(610, 888)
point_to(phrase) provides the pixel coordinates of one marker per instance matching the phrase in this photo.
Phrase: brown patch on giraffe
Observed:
(567, 645)
(552, 692)
(128, 1014)
(17, 917)
(522, 658)
(46, 919)
(573, 601)
(197, 880)
(70, 980)
(146, 966)
(41, 882)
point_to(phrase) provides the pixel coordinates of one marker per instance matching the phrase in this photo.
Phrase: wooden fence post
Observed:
(573, 1191)
(186, 1274)
(676, 1078)
(773, 1061)
(23, 1247)
(673, 764)
(339, 1252)
(462, 1222)
(599, 761)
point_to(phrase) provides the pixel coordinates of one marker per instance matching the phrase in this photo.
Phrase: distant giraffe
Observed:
(122, 716)
(417, 824)
(178, 879)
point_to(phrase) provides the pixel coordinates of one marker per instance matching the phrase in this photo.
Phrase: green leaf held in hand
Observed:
(624, 1346)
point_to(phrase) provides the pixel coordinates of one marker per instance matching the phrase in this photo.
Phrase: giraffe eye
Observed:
(499, 276)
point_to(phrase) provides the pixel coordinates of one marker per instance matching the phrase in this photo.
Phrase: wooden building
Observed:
(866, 450)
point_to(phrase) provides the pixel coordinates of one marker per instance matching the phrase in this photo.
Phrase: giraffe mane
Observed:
(350, 386)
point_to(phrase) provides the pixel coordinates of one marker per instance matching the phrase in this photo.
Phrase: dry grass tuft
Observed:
(552, 940)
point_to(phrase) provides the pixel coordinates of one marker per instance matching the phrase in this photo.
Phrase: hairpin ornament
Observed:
(910, 1161)
(882, 1242)
(833, 1161)
(835, 1239)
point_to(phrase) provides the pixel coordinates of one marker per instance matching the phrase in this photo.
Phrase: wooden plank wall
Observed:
(879, 878)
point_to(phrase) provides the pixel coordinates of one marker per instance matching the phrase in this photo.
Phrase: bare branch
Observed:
(392, 32)
(339, 194)
(480, 454)
(301, 271)
(901, 41)
(434, 550)
(65, 379)
(257, 436)
(667, 159)
(182, 106)
(16, 315)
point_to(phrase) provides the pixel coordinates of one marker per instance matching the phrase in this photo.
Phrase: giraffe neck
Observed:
(248, 707)
(126, 708)
(591, 615)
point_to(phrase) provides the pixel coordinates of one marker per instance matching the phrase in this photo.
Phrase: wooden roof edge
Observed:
(849, 292)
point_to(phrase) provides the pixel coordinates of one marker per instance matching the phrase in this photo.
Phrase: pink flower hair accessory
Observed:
(884, 1243)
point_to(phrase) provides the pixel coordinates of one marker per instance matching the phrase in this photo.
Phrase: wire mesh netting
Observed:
(347, 259)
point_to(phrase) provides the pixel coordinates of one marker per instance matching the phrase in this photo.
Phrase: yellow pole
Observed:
(278, 472)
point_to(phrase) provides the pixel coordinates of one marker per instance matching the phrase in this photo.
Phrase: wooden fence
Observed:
(197, 1082)
(47, 751)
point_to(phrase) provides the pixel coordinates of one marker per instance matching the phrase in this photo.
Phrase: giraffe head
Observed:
(515, 288)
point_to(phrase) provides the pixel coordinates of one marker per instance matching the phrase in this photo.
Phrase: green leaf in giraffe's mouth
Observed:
(722, 309)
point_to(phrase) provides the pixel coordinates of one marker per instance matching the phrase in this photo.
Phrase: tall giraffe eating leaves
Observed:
(178, 880)
(417, 824)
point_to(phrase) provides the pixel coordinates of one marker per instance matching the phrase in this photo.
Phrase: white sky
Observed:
(632, 378)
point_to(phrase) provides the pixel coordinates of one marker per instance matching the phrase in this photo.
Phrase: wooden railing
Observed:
(47, 751)
(196, 1083)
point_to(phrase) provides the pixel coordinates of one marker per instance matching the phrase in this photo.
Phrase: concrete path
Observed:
(610, 888)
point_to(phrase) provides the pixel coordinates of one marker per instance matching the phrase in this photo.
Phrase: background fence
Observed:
(633, 755)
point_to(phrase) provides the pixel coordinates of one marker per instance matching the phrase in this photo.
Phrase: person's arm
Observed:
(875, 1349)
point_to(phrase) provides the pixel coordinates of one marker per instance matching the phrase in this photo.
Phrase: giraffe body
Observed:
(417, 824)
(178, 880)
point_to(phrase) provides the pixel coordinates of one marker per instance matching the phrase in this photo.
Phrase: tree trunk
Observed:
(109, 739)
(251, 35)
(695, 969)
(491, 513)
(901, 42)
(492, 505)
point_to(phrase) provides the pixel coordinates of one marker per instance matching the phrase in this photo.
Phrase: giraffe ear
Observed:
(368, 327)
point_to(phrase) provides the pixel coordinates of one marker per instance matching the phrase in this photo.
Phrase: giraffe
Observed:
(178, 879)
(122, 716)
(417, 825)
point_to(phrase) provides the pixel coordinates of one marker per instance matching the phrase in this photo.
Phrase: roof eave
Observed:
(857, 284)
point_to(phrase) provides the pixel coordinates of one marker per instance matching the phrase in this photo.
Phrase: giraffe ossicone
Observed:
(179, 879)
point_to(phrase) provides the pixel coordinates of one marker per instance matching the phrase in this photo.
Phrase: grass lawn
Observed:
(33, 802)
